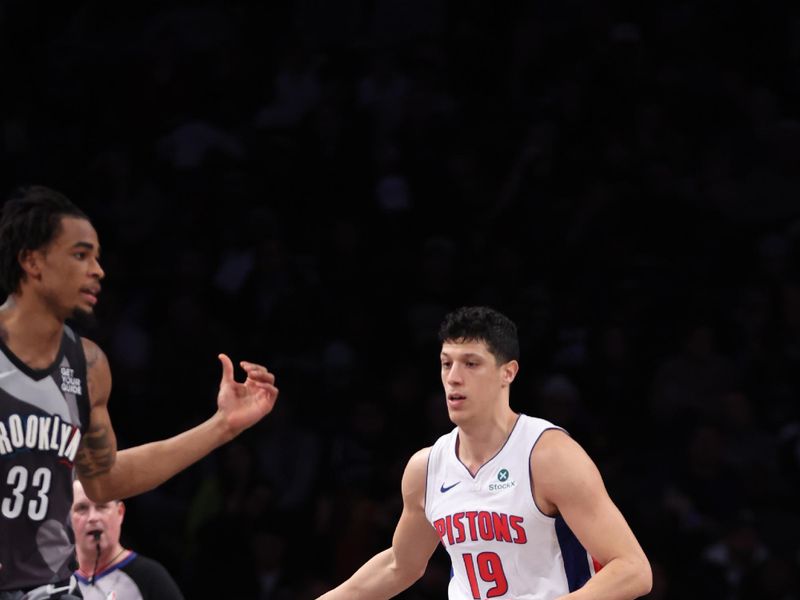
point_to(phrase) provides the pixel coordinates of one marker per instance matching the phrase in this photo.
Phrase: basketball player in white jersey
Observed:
(517, 503)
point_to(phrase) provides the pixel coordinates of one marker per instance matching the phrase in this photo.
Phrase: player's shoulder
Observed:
(98, 372)
(419, 460)
(415, 476)
(94, 354)
(558, 453)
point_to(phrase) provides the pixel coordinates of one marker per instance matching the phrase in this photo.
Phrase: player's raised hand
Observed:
(244, 404)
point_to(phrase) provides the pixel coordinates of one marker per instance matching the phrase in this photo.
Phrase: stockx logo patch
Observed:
(504, 481)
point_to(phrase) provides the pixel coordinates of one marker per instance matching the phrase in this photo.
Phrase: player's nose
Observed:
(97, 270)
(453, 374)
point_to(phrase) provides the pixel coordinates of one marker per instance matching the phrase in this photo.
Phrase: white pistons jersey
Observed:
(500, 544)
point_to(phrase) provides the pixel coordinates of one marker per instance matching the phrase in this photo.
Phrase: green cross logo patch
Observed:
(505, 481)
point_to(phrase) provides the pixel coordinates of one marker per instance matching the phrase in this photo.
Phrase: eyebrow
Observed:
(87, 245)
(465, 355)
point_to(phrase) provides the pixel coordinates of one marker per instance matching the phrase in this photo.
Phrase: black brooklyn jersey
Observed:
(43, 415)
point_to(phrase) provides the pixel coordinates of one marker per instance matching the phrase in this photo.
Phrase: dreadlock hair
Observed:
(31, 219)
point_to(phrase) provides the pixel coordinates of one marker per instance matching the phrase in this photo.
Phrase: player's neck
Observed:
(478, 442)
(30, 331)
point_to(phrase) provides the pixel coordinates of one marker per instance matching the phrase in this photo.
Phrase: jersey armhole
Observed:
(84, 408)
(427, 476)
(539, 512)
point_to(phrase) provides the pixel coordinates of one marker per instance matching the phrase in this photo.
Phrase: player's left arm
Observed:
(108, 474)
(567, 481)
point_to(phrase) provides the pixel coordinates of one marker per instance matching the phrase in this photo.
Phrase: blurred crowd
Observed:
(314, 184)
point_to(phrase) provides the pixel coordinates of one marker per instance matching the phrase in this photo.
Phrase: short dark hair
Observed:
(30, 220)
(482, 324)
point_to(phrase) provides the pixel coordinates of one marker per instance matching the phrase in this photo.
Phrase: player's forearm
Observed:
(620, 579)
(141, 468)
(379, 578)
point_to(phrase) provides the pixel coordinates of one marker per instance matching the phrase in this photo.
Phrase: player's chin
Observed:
(82, 311)
(85, 307)
(457, 416)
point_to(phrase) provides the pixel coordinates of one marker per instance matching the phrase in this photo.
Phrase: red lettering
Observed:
(516, 525)
(481, 525)
(485, 525)
(449, 527)
(460, 535)
(490, 568)
(472, 515)
(440, 528)
(473, 581)
(501, 531)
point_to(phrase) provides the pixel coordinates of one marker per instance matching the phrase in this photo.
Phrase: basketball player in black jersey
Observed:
(54, 389)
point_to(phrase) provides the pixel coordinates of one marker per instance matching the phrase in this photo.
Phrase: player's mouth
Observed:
(90, 294)
(455, 399)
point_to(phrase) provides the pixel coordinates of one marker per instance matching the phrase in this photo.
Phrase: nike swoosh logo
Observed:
(444, 489)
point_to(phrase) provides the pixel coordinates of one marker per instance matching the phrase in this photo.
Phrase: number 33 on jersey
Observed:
(43, 415)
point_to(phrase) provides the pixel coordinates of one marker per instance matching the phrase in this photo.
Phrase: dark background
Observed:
(313, 185)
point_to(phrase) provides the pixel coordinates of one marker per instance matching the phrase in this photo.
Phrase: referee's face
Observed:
(91, 519)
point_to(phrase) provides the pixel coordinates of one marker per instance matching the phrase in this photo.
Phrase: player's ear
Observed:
(31, 262)
(509, 371)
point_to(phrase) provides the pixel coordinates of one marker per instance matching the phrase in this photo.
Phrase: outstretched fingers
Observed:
(258, 374)
(227, 368)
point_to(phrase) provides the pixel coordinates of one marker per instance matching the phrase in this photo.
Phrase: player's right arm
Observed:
(392, 571)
